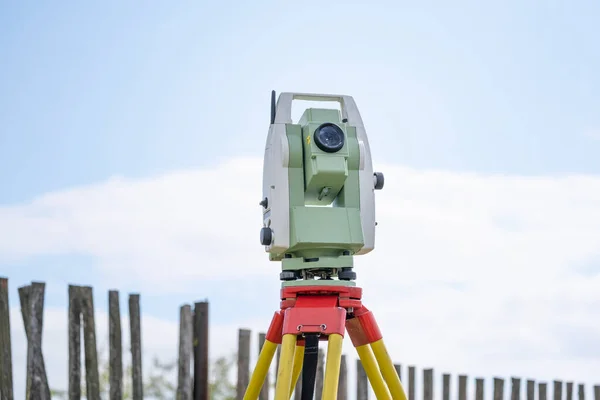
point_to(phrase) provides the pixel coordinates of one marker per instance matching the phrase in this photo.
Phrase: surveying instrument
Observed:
(318, 208)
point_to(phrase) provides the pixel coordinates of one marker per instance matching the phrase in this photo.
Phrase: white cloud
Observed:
(486, 275)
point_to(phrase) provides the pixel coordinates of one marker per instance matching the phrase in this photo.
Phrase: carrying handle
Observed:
(281, 111)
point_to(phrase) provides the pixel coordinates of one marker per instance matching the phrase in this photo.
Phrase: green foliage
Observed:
(157, 384)
(220, 386)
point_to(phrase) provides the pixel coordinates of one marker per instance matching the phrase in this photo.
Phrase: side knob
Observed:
(266, 236)
(378, 178)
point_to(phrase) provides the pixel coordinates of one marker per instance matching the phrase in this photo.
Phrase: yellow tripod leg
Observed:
(332, 367)
(298, 361)
(260, 370)
(370, 365)
(386, 365)
(286, 361)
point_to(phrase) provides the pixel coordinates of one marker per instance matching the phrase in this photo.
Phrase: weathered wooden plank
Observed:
(411, 382)
(542, 391)
(136, 347)
(462, 387)
(90, 349)
(515, 389)
(277, 358)
(32, 310)
(398, 368)
(343, 382)
(264, 391)
(320, 375)
(479, 389)
(427, 384)
(569, 390)
(581, 391)
(6, 374)
(557, 390)
(201, 384)
(243, 362)
(298, 388)
(498, 388)
(530, 389)
(74, 343)
(186, 347)
(362, 382)
(115, 344)
(446, 387)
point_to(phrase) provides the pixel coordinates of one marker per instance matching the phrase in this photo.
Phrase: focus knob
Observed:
(266, 236)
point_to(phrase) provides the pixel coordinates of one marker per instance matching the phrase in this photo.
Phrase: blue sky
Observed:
(93, 90)
(89, 92)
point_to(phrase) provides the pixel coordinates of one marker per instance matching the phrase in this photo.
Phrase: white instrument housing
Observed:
(276, 177)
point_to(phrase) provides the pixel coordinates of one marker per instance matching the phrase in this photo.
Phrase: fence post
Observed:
(398, 368)
(115, 346)
(428, 384)
(201, 351)
(135, 332)
(542, 391)
(498, 388)
(581, 392)
(569, 390)
(597, 392)
(32, 310)
(557, 390)
(186, 335)
(362, 384)
(6, 375)
(446, 387)
(243, 362)
(462, 387)
(92, 383)
(320, 375)
(479, 389)
(530, 389)
(74, 343)
(515, 393)
(264, 390)
(277, 357)
(411, 382)
(343, 382)
(298, 388)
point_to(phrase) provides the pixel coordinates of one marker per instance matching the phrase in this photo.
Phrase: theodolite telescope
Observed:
(318, 191)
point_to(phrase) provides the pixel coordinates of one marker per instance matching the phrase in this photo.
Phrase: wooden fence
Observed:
(193, 359)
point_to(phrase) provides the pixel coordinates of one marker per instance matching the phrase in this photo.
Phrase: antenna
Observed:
(273, 106)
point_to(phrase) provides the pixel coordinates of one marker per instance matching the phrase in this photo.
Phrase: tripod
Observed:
(309, 314)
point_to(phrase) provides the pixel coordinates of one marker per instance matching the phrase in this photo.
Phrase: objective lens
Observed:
(329, 137)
